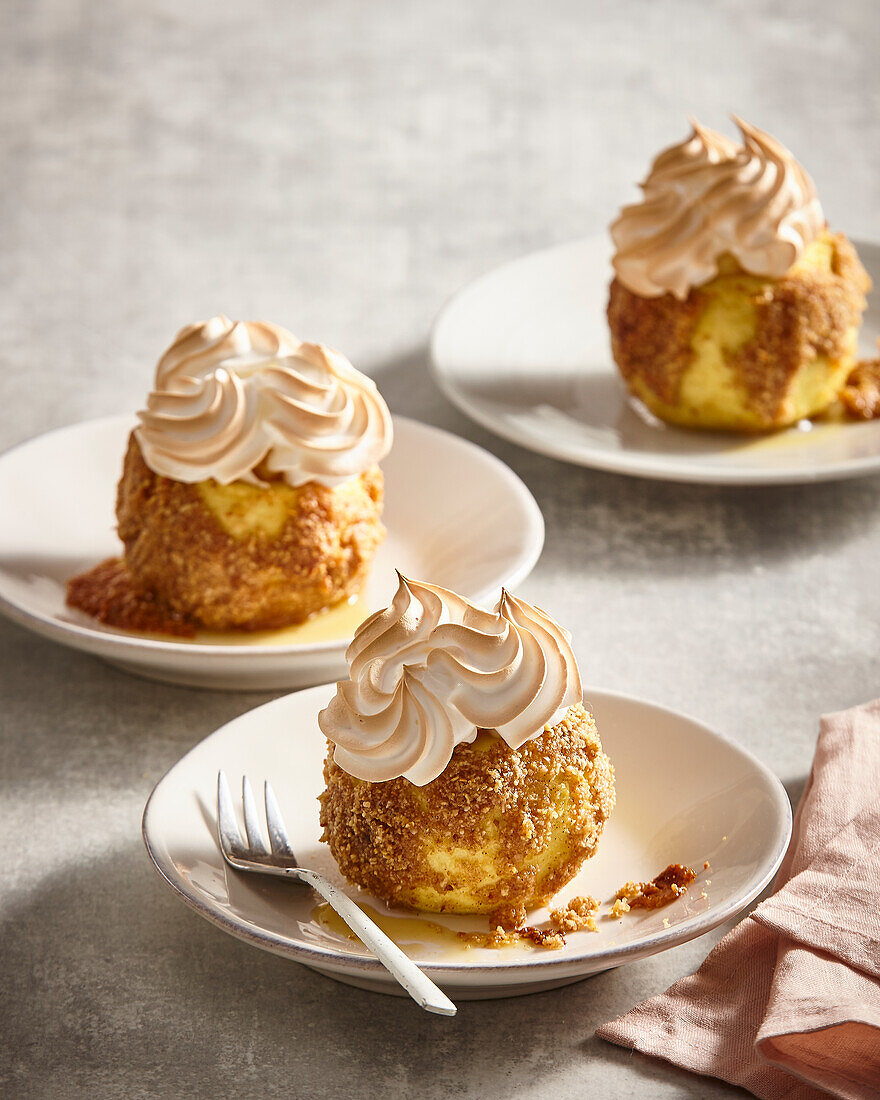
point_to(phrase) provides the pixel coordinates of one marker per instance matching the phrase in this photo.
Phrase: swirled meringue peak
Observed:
(432, 669)
(709, 196)
(230, 395)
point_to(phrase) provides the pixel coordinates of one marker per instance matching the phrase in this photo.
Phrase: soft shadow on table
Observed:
(628, 521)
(90, 715)
(104, 967)
(653, 1069)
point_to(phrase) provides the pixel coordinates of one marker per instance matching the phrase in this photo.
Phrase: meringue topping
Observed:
(708, 196)
(229, 396)
(432, 669)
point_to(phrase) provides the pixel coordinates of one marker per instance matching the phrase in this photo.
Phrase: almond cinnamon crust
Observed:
(805, 314)
(178, 550)
(651, 338)
(811, 312)
(500, 831)
(861, 394)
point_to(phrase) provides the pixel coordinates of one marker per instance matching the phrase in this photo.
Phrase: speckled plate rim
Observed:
(111, 644)
(329, 960)
(630, 464)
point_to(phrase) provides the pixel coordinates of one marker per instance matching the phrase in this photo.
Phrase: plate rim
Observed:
(130, 645)
(622, 462)
(658, 941)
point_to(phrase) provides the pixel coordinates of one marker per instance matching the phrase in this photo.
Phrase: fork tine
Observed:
(277, 832)
(282, 862)
(251, 821)
(227, 827)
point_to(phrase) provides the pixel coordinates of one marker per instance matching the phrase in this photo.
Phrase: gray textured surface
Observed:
(341, 167)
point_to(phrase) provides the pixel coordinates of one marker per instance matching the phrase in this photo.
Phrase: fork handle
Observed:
(417, 984)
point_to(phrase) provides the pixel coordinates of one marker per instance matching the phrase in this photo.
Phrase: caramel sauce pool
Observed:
(106, 593)
(332, 625)
(400, 929)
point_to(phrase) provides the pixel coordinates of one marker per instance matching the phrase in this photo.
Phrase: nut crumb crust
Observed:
(807, 313)
(861, 394)
(518, 824)
(177, 550)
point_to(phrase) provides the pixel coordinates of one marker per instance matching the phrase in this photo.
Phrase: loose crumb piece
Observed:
(618, 909)
(629, 890)
(666, 922)
(543, 937)
(705, 865)
(861, 394)
(662, 890)
(578, 916)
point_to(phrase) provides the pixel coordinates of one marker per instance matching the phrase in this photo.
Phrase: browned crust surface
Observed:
(861, 394)
(380, 833)
(651, 338)
(176, 549)
(807, 313)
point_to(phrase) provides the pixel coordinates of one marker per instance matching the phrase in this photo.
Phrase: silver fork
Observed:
(278, 859)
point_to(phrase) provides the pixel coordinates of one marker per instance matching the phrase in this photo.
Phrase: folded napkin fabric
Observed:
(788, 1003)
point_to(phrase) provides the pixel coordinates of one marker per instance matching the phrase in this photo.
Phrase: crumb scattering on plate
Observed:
(661, 890)
(543, 937)
(578, 915)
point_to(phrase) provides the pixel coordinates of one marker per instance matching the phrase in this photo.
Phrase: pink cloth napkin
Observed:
(788, 1003)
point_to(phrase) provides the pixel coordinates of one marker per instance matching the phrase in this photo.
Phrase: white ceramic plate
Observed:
(525, 352)
(455, 515)
(684, 794)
